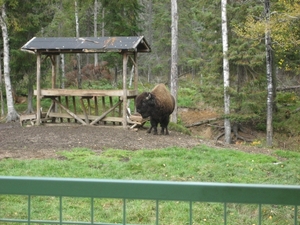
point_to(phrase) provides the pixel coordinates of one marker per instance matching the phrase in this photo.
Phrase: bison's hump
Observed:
(163, 97)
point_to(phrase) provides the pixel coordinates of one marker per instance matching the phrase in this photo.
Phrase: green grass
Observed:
(200, 163)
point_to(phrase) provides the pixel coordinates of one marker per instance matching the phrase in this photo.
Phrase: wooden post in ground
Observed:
(135, 72)
(53, 62)
(125, 59)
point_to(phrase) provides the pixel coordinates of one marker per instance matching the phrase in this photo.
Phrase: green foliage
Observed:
(287, 97)
(179, 128)
(188, 94)
(122, 17)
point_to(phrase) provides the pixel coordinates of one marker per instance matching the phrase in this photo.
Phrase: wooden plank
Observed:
(70, 113)
(105, 113)
(91, 117)
(86, 92)
(84, 110)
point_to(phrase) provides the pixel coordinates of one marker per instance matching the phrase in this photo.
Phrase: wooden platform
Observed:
(87, 107)
(85, 93)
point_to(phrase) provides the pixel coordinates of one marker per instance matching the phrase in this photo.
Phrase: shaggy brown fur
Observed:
(163, 98)
(158, 104)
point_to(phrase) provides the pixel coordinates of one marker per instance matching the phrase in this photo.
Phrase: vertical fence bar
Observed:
(296, 215)
(92, 210)
(29, 209)
(60, 210)
(157, 212)
(225, 213)
(191, 212)
(124, 211)
(259, 214)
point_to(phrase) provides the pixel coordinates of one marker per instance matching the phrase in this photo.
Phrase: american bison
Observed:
(158, 105)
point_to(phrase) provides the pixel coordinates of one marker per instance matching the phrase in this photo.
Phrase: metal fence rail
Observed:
(157, 191)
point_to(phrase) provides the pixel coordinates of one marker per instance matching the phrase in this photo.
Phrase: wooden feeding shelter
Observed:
(65, 99)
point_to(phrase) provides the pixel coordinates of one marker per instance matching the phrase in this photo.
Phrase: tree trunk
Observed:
(63, 73)
(269, 75)
(95, 29)
(1, 92)
(226, 74)
(174, 57)
(12, 114)
(78, 55)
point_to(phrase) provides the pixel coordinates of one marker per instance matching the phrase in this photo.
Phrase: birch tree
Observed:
(226, 74)
(78, 55)
(95, 29)
(269, 75)
(12, 114)
(174, 57)
(1, 92)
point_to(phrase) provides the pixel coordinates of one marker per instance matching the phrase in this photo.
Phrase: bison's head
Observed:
(145, 102)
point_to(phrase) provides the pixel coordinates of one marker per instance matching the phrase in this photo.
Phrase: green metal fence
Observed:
(128, 190)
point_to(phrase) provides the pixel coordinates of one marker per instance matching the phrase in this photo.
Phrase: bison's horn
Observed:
(148, 97)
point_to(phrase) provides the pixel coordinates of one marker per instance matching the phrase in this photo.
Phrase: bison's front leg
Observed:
(154, 130)
(153, 125)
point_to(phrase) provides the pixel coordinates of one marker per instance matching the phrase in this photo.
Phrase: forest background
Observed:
(199, 51)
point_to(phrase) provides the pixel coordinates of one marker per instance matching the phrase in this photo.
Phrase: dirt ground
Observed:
(26, 142)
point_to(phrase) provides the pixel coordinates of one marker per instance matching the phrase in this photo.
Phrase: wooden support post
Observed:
(96, 106)
(89, 106)
(111, 104)
(53, 62)
(135, 72)
(125, 59)
(38, 89)
(67, 104)
(74, 105)
(103, 105)
(136, 76)
(60, 109)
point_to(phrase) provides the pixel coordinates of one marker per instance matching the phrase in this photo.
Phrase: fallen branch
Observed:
(287, 88)
(202, 122)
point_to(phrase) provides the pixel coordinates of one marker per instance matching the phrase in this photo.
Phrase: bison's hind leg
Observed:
(163, 131)
(149, 130)
(164, 125)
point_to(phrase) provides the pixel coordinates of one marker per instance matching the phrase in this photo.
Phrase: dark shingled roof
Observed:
(57, 45)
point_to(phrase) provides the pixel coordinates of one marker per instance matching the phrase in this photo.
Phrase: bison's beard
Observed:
(144, 114)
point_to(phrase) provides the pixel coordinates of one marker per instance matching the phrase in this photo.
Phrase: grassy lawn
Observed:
(201, 163)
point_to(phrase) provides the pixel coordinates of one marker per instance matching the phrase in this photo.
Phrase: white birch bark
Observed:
(226, 74)
(1, 92)
(174, 57)
(95, 29)
(12, 114)
(78, 55)
(269, 76)
(63, 72)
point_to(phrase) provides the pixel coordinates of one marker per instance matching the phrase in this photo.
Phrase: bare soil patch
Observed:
(44, 141)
